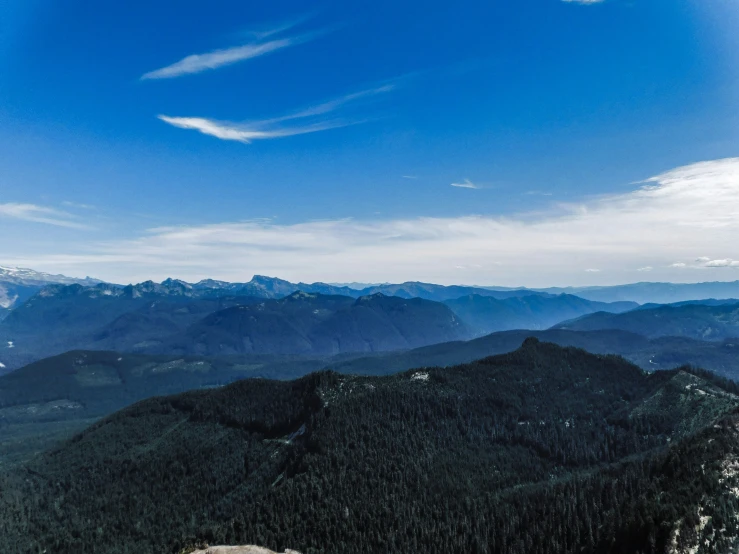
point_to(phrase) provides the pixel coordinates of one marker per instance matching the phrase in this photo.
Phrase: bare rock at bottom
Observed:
(240, 550)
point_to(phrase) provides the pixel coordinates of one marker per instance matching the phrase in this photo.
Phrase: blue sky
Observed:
(323, 142)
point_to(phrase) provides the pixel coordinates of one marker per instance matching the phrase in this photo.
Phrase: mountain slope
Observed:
(49, 400)
(304, 323)
(541, 450)
(486, 314)
(695, 321)
(661, 353)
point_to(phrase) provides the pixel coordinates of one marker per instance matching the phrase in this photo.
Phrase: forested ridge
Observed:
(545, 449)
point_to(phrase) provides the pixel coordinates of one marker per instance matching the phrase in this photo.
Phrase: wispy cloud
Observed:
(674, 219)
(586, 2)
(276, 127)
(39, 214)
(332, 105)
(240, 133)
(466, 184)
(409, 176)
(77, 205)
(266, 32)
(197, 63)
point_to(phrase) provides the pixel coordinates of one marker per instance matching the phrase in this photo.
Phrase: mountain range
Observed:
(541, 450)
(272, 287)
(210, 318)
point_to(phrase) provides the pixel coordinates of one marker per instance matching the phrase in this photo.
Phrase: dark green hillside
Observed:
(487, 314)
(537, 451)
(32, 399)
(695, 321)
(49, 400)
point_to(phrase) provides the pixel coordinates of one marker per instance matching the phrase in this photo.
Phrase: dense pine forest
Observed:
(545, 449)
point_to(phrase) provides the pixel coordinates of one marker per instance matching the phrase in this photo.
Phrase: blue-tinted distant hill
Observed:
(307, 323)
(697, 321)
(657, 293)
(486, 314)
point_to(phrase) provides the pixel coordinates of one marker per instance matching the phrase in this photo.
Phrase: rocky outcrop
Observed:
(240, 550)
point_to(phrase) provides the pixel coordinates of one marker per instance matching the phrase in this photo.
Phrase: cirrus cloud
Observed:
(39, 214)
(198, 63)
(275, 127)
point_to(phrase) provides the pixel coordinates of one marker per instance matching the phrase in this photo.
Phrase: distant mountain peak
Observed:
(264, 279)
(176, 283)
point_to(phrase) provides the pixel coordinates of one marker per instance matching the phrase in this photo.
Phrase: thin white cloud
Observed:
(683, 214)
(240, 133)
(275, 127)
(261, 34)
(409, 176)
(77, 205)
(585, 2)
(592, 270)
(332, 105)
(645, 268)
(197, 63)
(39, 214)
(466, 184)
